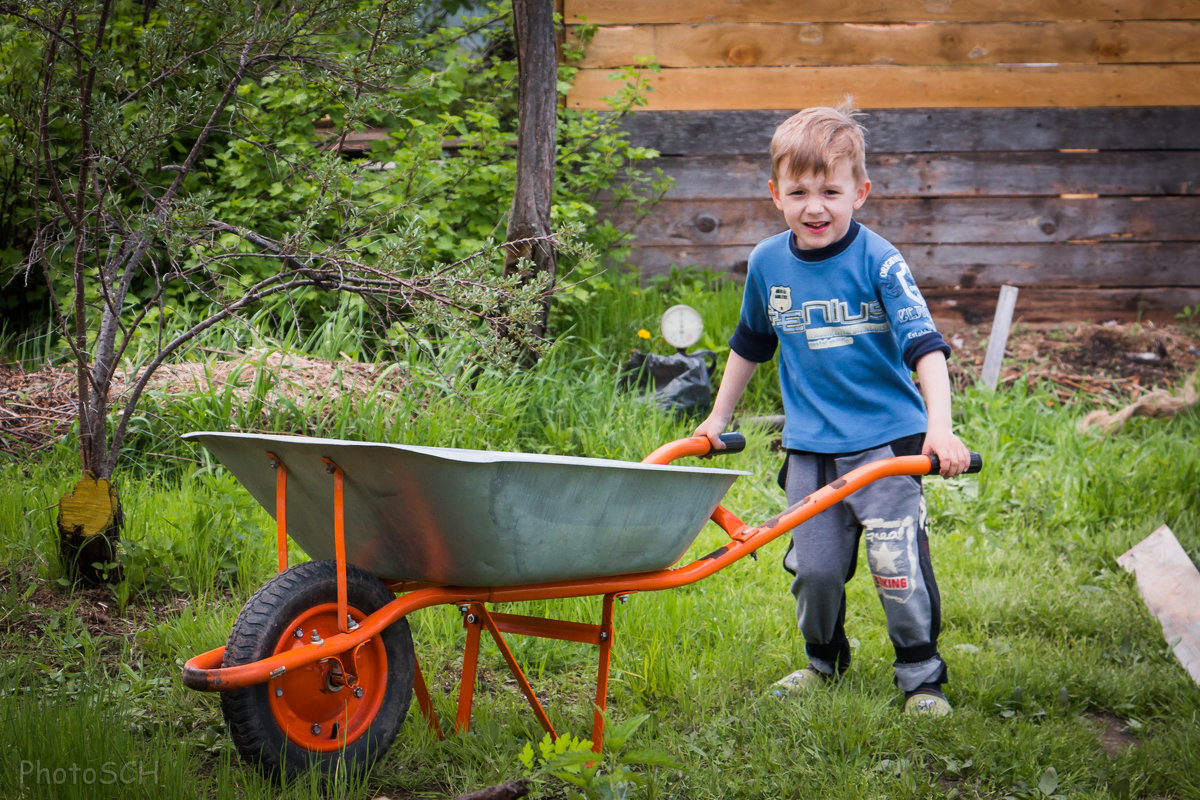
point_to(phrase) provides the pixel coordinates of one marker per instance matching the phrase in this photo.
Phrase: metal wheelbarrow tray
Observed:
(320, 668)
(475, 517)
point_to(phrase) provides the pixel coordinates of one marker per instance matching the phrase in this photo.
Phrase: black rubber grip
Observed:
(734, 443)
(976, 465)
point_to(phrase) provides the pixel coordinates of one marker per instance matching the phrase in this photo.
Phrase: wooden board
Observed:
(1159, 266)
(1040, 305)
(1170, 584)
(928, 43)
(959, 174)
(1001, 220)
(909, 131)
(900, 87)
(631, 12)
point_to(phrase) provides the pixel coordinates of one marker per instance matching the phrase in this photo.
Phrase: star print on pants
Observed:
(885, 559)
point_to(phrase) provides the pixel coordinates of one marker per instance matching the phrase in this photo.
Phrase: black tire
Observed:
(266, 623)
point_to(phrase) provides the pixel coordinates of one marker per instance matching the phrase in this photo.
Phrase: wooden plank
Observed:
(973, 305)
(1156, 173)
(633, 12)
(1110, 265)
(1001, 220)
(900, 87)
(1170, 584)
(1168, 266)
(924, 130)
(928, 43)
(960, 174)
(1041, 305)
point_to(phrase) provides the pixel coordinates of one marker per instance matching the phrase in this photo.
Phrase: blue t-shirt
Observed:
(852, 324)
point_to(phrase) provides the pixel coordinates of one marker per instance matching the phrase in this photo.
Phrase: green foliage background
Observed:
(436, 184)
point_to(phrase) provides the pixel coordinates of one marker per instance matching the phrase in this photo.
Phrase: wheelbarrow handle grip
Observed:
(734, 443)
(976, 465)
(698, 446)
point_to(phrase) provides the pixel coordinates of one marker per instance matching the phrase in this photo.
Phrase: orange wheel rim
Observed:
(314, 706)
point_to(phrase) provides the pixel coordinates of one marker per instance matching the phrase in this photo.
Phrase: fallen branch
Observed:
(1159, 403)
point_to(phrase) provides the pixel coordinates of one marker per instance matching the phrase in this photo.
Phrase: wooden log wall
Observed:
(1049, 144)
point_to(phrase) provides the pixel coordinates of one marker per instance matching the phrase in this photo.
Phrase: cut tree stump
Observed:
(1170, 584)
(89, 525)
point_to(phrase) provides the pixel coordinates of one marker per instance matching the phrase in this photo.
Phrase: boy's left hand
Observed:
(952, 453)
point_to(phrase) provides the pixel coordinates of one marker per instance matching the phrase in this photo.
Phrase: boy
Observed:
(852, 327)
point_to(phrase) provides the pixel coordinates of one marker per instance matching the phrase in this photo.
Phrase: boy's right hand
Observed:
(713, 427)
(738, 371)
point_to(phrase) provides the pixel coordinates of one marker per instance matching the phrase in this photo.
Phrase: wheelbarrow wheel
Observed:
(341, 712)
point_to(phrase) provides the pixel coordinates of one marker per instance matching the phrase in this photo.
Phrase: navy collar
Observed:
(829, 251)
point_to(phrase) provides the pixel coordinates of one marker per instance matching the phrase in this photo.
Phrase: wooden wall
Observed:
(1050, 144)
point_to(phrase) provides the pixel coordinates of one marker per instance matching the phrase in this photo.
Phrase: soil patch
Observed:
(1108, 364)
(1115, 736)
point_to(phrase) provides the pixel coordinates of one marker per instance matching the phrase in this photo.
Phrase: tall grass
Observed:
(1062, 682)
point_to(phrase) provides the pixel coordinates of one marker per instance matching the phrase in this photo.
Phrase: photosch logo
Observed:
(110, 773)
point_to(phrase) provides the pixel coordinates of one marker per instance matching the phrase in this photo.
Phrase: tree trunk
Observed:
(529, 217)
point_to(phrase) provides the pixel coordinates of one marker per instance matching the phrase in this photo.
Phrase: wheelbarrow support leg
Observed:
(516, 670)
(606, 643)
(339, 540)
(466, 688)
(426, 705)
(476, 617)
(281, 546)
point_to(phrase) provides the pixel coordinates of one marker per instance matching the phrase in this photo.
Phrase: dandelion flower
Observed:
(643, 334)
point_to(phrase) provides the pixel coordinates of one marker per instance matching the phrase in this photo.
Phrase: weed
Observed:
(612, 774)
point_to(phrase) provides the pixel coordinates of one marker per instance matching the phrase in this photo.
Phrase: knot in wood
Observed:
(742, 54)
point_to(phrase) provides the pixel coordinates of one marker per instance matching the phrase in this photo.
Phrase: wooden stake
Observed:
(1001, 324)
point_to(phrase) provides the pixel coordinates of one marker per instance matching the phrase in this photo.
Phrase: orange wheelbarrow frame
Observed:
(205, 673)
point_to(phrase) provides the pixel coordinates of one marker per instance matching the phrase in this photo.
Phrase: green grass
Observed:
(1048, 642)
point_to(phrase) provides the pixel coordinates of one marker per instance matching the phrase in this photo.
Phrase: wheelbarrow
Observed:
(319, 669)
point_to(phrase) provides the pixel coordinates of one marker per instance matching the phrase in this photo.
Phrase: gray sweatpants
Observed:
(890, 514)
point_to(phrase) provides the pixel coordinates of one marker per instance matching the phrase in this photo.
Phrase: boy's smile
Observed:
(818, 208)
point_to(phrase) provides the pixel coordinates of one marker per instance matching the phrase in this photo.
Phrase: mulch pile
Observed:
(38, 408)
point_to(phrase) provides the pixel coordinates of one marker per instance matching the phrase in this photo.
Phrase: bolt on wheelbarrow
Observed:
(319, 668)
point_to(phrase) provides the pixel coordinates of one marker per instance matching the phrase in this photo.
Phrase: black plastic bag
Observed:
(681, 382)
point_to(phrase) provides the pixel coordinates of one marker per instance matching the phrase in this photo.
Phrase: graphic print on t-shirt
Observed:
(825, 323)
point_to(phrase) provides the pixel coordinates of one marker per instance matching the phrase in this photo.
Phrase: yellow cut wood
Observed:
(89, 527)
(785, 88)
(630, 12)
(90, 508)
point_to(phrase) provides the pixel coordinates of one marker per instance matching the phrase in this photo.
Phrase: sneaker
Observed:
(927, 700)
(799, 682)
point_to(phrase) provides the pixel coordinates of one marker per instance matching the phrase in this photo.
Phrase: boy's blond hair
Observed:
(814, 139)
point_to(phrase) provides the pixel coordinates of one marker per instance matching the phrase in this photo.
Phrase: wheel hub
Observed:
(308, 703)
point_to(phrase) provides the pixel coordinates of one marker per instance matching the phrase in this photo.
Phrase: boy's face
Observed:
(818, 208)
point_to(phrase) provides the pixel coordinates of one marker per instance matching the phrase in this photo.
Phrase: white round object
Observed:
(681, 326)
